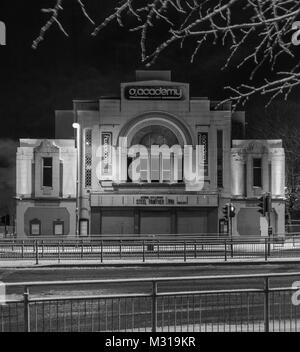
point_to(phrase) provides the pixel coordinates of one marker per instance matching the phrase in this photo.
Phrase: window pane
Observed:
(47, 177)
(47, 172)
(155, 168)
(257, 172)
(48, 162)
(257, 162)
(144, 168)
(35, 229)
(58, 229)
(166, 170)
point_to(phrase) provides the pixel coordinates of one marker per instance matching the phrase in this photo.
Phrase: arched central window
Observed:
(158, 167)
(155, 135)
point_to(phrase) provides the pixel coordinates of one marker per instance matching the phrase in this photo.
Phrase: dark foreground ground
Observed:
(129, 307)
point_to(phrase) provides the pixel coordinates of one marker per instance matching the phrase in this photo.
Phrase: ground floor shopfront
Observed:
(132, 214)
(155, 220)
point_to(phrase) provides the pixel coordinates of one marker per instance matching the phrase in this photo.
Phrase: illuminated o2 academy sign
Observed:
(151, 160)
(154, 92)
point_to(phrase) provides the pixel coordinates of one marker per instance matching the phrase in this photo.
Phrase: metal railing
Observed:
(7, 231)
(106, 249)
(254, 303)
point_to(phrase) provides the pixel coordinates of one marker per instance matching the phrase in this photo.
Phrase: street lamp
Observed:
(76, 126)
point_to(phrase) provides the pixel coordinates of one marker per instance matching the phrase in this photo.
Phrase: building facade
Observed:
(126, 168)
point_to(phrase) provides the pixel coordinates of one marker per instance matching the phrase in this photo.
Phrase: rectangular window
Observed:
(155, 168)
(35, 227)
(47, 172)
(166, 169)
(220, 158)
(203, 140)
(257, 172)
(144, 161)
(58, 228)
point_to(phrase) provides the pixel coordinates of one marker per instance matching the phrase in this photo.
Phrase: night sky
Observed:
(37, 82)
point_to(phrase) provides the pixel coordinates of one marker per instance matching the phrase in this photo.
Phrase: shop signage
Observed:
(154, 93)
(160, 200)
(106, 141)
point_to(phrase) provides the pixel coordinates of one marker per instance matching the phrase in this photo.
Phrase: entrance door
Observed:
(117, 222)
(155, 222)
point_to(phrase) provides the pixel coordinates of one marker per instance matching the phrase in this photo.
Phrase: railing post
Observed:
(58, 251)
(266, 249)
(154, 306)
(22, 249)
(158, 249)
(266, 305)
(42, 248)
(225, 250)
(26, 310)
(81, 248)
(231, 248)
(184, 251)
(120, 248)
(36, 252)
(143, 251)
(195, 249)
(101, 251)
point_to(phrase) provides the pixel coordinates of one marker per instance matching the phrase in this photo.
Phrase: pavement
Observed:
(44, 263)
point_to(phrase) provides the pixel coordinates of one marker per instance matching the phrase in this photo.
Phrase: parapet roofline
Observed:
(93, 105)
(35, 142)
(273, 143)
(154, 82)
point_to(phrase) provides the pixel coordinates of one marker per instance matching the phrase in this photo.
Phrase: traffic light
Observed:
(268, 203)
(262, 205)
(226, 212)
(265, 204)
(231, 211)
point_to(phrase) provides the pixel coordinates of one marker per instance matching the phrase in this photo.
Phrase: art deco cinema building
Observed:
(77, 185)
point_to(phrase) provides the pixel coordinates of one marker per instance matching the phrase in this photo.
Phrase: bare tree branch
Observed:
(54, 19)
(263, 29)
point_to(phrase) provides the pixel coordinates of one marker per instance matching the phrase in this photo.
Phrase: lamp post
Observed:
(76, 126)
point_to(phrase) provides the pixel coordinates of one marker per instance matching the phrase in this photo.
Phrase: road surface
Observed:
(98, 273)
